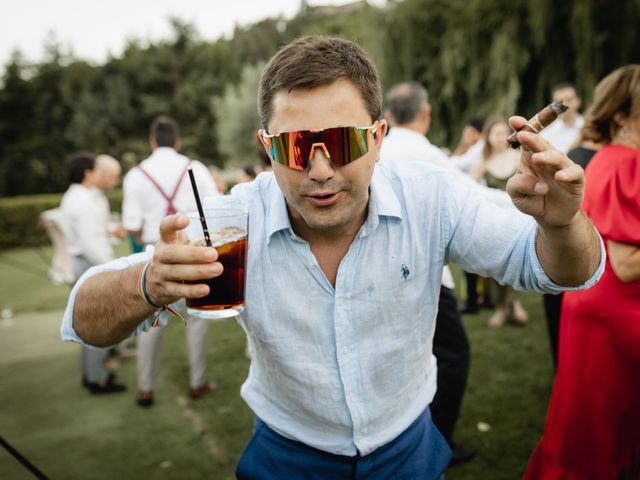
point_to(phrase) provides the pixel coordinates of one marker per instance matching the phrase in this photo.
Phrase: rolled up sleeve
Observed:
(67, 331)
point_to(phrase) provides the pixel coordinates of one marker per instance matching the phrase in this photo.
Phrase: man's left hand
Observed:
(548, 185)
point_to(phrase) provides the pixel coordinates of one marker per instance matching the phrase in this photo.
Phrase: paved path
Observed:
(32, 335)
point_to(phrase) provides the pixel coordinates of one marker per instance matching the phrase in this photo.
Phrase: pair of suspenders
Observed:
(169, 198)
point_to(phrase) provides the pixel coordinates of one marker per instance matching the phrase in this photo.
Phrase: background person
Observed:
(85, 213)
(465, 157)
(581, 154)
(565, 130)
(563, 134)
(499, 164)
(593, 422)
(343, 271)
(409, 114)
(160, 186)
(469, 150)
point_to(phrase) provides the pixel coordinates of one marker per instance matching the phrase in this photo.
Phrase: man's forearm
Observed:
(569, 254)
(108, 308)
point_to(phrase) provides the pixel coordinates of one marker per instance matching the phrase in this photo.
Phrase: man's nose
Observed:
(320, 165)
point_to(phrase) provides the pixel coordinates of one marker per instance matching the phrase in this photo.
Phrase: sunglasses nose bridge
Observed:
(320, 145)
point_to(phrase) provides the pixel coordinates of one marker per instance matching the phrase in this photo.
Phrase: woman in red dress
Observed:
(593, 422)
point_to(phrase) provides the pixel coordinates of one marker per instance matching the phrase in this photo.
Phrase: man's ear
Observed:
(381, 131)
(619, 118)
(177, 145)
(426, 112)
(388, 117)
(264, 144)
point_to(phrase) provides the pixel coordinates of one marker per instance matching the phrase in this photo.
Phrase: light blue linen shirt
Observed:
(347, 369)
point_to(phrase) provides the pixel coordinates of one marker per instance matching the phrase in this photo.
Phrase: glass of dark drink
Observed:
(228, 229)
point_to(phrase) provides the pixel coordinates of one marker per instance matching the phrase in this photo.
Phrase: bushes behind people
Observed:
(19, 218)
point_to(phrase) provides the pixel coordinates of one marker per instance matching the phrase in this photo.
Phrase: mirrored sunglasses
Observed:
(342, 145)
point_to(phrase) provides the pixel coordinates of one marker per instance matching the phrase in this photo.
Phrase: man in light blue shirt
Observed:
(343, 272)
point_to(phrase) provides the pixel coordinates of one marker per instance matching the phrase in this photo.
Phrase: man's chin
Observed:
(324, 220)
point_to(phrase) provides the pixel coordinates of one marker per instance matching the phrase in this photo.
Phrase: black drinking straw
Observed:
(207, 239)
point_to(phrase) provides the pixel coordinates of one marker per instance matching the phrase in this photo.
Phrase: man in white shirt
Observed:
(160, 186)
(409, 115)
(85, 213)
(343, 269)
(565, 131)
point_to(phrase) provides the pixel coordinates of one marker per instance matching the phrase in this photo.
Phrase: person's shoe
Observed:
(469, 309)
(462, 454)
(203, 390)
(110, 387)
(145, 398)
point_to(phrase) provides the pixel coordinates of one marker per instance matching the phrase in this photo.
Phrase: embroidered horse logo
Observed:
(405, 272)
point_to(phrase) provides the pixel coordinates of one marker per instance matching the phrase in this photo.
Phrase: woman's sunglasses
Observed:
(342, 145)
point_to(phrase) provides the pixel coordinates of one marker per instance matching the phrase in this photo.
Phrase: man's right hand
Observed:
(175, 261)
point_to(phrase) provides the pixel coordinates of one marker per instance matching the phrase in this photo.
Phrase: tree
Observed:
(238, 123)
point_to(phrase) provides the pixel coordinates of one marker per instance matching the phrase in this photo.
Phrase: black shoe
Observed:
(87, 384)
(109, 387)
(468, 309)
(145, 399)
(462, 454)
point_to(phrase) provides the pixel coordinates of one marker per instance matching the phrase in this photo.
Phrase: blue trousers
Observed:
(418, 453)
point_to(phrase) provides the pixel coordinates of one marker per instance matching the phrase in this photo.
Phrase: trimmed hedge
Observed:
(19, 218)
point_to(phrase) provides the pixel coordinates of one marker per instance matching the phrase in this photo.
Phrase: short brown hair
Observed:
(316, 61)
(405, 100)
(618, 92)
(164, 130)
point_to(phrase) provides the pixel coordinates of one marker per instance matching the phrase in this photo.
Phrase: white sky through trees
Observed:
(94, 29)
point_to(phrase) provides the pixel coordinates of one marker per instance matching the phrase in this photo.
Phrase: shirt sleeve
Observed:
(91, 235)
(498, 242)
(206, 184)
(132, 209)
(67, 331)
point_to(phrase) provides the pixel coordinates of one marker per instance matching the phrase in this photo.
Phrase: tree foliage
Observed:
(474, 56)
(239, 121)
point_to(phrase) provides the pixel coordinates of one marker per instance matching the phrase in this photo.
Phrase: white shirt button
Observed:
(352, 397)
(345, 350)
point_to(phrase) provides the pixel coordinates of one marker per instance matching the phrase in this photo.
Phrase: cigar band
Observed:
(536, 121)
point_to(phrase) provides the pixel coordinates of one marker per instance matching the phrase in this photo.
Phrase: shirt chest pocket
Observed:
(398, 302)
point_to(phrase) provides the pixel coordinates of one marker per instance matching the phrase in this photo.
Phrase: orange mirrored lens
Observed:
(343, 145)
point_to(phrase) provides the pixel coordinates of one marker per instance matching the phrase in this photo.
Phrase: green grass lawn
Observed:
(68, 434)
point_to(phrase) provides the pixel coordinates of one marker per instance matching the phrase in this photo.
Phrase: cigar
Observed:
(540, 120)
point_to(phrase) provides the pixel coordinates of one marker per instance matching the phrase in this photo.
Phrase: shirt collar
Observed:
(382, 202)
(163, 152)
(277, 214)
(408, 135)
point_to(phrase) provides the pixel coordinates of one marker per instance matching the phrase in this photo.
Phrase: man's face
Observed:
(107, 180)
(324, 199)
(569, 97)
